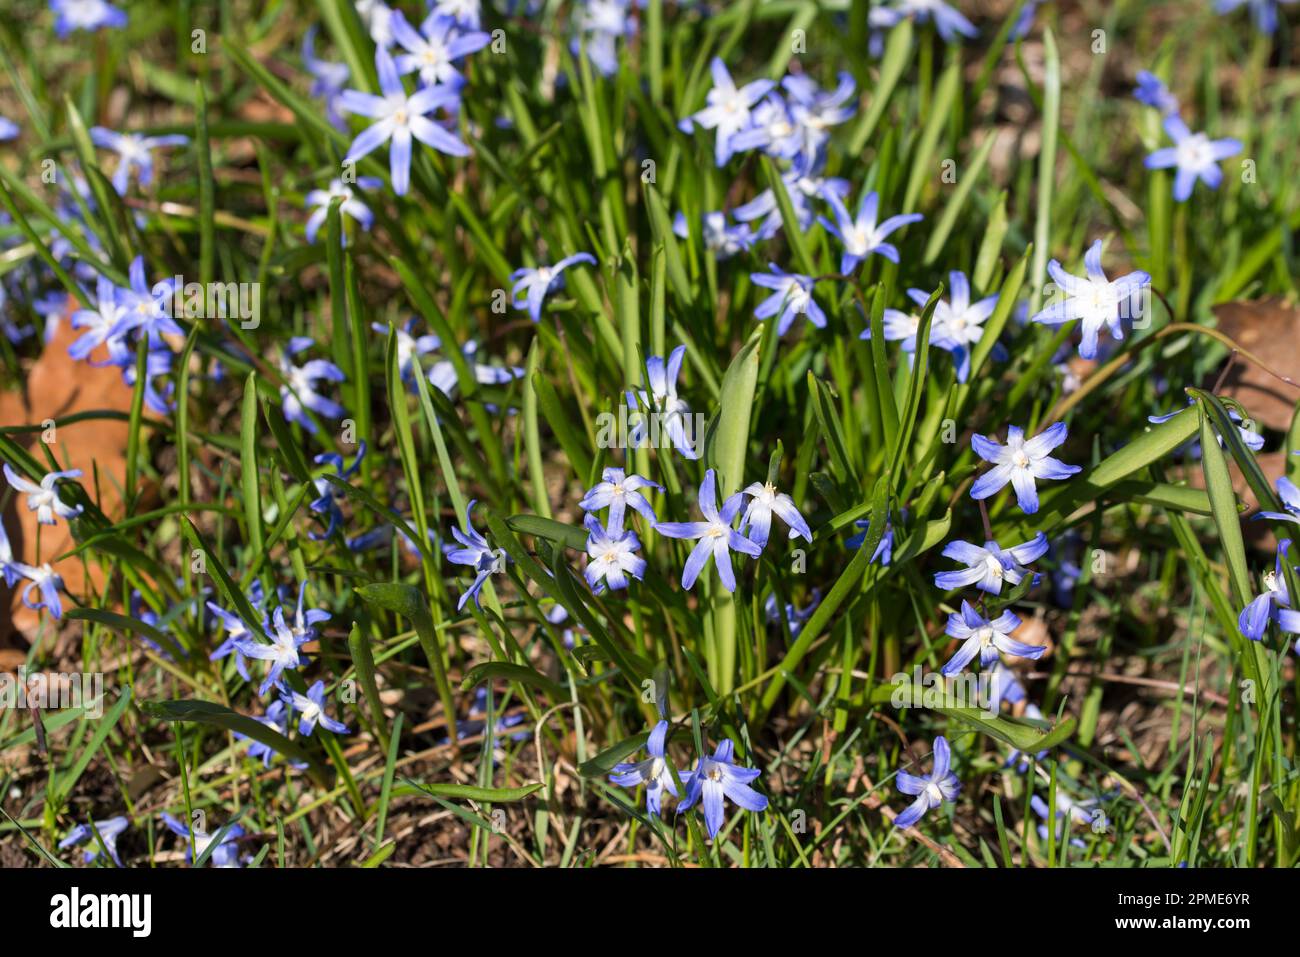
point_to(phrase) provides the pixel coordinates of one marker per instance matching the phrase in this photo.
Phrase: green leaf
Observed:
(219, 716)
(506, 671)
(469, 792)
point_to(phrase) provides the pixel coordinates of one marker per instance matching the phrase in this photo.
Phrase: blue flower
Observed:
(802, 185)
(43, 499)
(958, 324)
(1070, 810)
(325, 503)
(328, 79)
(351, 206)
(467, 13)
(719, 777)
(1093, 299)
(764, 500)
(980, 636)
(772, 129)
(442, 374)
(236, 630)
(99, 323)
(409, 348)
(1020, 462)
(1152, 91)
(719, 238)
(884, 552)
(89, 15)
(1273, 604)
(663, 399)
(794, 615)
(147, 308)
(728, 109)
(532, 286)
(1290, 496)
(134, 153)
(860, 236)
(299, 392)
(618, 492)
(225, 854)
(947, 19)
(989, 565)
(433, 51)
(611, 556)
(931, 790)
(791, 296)
(9, 130)
(108, 832)
(277, 719)
(715, 534)
(474, 551)
(1263, 12)
(1194, 154)
(283, 651)
(603, 22)
(654, 772)
(311, 709)
(46, 581)
(816, 110)
(399, 117)
(9, 569)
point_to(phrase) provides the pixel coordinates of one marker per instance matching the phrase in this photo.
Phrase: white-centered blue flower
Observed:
(764, 501)
(985, 638)
(283, 651)
(533, 285)
(1194, 155)
(728, 109)
(719, 237)
(400, 116)
(717, 779)
(44, 499)
(987, 566)
(299, 392)
(618, 492)
(434, 50)
(311, 710)
(792, 295)
(146, 308)
(350, 206)
(1020, 462)
(654, 771)
(134, 154)
(88, 15)
(99, 323)
(662, 398)
(716, 536)
(860, 235)
(930, 790)
(475, 552)
(611, 556)
(1094, 300)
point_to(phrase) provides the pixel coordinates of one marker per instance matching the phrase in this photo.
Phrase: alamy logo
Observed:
(214, 300)
(76, 910)
(50, 691)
